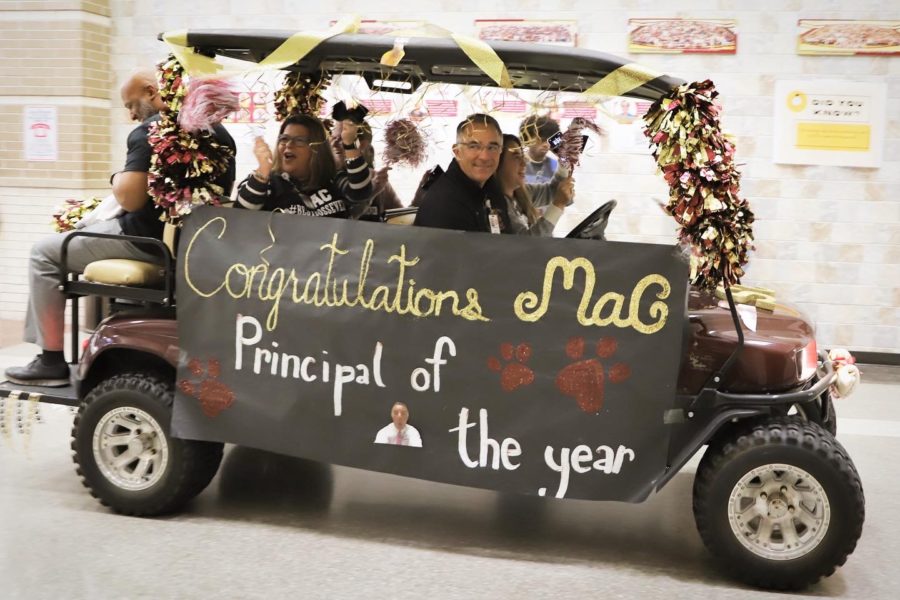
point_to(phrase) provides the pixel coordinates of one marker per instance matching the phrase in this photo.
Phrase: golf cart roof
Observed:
(430, 60)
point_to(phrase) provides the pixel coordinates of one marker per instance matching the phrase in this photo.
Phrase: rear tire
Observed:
(125, 455)
(779, 503)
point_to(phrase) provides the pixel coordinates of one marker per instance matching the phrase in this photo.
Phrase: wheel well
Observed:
(122, 360)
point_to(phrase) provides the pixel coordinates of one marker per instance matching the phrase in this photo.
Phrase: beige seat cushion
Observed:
(402, 219)
(120, 271)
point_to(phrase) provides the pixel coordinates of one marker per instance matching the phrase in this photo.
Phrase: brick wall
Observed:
(51, 54)
(828, 239)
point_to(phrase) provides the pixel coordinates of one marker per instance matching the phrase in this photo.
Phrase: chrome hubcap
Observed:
(130, 448)
(779, 512)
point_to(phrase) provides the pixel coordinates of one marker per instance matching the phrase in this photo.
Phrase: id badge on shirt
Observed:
(493, 218)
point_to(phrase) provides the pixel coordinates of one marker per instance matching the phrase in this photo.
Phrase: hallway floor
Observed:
(270, 526)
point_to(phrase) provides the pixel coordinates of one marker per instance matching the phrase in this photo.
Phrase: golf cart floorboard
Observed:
(65, 395)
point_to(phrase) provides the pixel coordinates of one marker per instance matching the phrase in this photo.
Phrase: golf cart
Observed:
(235, 341)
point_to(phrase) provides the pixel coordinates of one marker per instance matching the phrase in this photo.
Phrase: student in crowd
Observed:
(384, 197)
(302, 177)
(535, 133)
(534, 209)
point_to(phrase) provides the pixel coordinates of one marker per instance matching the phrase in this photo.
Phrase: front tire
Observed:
(779, 503)
(125, 455)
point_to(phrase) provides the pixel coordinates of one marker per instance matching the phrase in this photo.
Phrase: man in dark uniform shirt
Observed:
(467, 196)
(46, 304)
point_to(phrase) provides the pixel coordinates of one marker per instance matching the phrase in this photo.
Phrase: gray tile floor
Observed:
(271, 526)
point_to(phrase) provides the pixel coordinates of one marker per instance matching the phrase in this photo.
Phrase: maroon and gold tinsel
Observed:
(404, 144)
(69, 214)
(572, 145)
(697, 162)
(183, 165)
(300, 94)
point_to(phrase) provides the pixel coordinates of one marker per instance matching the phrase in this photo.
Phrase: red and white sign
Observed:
(586, 110)
(255, 107)
(510, 105)
(442, 108)
(40, 133)
(379, 106)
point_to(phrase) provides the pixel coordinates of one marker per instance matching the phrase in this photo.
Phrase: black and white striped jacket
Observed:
(348, 195)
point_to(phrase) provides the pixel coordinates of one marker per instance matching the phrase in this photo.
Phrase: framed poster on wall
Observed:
(682, 36)
(557, 33)
(848, 38)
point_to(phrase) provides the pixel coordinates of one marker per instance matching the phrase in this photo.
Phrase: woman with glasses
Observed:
(302, 176)
(525, 201)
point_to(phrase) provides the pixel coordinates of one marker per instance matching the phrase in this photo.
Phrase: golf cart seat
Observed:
(128, 272)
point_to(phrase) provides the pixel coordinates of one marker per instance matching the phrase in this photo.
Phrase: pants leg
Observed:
(44, 321)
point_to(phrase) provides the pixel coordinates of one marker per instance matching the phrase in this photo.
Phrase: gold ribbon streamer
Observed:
(289, 52)
(300, 44)
(193, 63)
(271, 235)
(622, 80)
(479, 52)
(6, 416)
(33, 400)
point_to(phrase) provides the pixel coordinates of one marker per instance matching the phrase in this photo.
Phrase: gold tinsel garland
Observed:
(300, 94)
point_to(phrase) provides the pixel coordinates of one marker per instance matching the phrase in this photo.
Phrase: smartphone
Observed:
(556, 139)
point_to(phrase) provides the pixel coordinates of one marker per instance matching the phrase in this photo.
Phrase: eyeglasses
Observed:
(296, 140)
(478, 148)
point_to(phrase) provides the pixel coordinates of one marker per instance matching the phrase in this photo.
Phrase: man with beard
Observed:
(44, 320)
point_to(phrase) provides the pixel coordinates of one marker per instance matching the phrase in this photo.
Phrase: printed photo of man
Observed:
(399, 432)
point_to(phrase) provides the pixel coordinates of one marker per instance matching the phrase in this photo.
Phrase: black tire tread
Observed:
(201, 459)
(787, 431)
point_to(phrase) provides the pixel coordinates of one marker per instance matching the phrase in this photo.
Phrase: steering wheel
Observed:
(594, 226)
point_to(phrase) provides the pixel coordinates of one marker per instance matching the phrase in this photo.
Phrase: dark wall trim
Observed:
(877, 358)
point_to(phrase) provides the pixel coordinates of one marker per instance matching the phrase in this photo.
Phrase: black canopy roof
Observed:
(530, 66)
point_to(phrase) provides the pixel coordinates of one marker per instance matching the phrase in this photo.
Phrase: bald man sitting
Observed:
(46, 304)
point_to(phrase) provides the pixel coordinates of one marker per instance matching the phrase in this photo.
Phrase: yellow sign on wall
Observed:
(837, 123)
(834, 136)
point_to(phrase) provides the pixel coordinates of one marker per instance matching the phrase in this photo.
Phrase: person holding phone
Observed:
(536, 132)
(533, 209)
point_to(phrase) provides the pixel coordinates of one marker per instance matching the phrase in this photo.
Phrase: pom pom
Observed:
(697, 161)
(183, 165)
(208, 101)
(300, 94)
(71, 212)
(404, 144)
(572, 145)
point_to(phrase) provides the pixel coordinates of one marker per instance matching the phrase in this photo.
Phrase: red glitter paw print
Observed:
(514, 374)
(584, 380)
(214, 396)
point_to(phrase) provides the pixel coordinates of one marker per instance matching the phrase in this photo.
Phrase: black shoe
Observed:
(39, 373)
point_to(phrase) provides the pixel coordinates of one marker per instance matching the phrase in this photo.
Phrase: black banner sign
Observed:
(539, 366)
